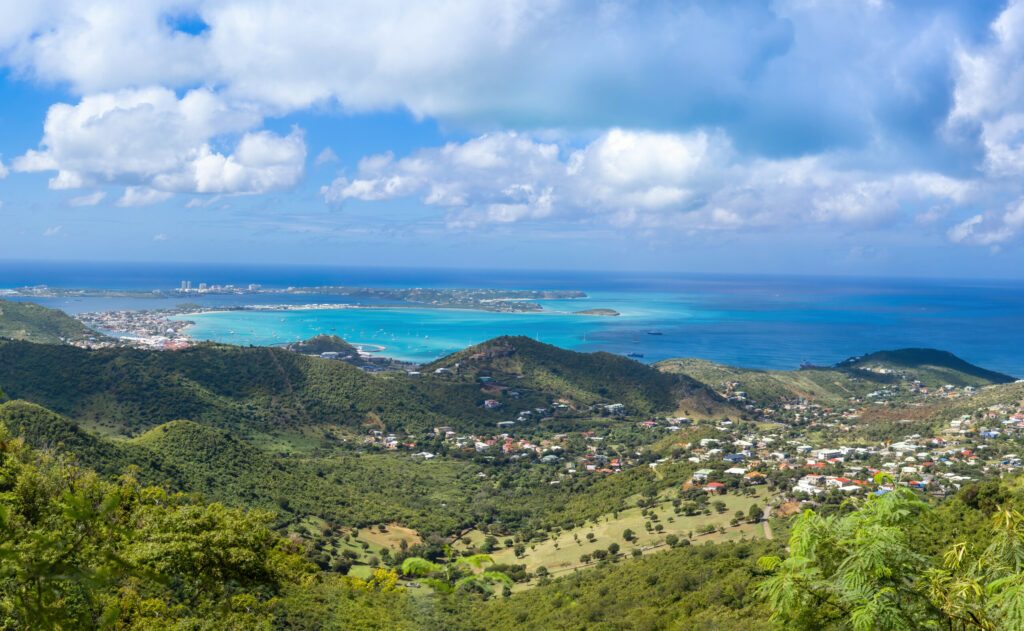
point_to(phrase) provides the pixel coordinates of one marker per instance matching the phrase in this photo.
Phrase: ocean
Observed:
(752, 321)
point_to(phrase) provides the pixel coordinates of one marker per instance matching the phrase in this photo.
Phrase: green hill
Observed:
(27, 321)
(933, 367)
(260, 389)
(854, 377)
(323, 344)
(49, 431)
(578, 378)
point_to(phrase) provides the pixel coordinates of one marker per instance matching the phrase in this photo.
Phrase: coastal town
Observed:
(803, 452)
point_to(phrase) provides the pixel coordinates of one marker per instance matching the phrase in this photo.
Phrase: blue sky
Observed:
(791, 136)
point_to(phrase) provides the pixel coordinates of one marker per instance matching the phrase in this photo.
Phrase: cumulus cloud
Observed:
(150, 138)
(640, 178)
(516, 63)
(989, 93)
(3, 170)
(52, 231)
(142, 196)
(992, 229)
(785, 112)
(87, 200)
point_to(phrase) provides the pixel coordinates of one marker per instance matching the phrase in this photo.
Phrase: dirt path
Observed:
(767, 527)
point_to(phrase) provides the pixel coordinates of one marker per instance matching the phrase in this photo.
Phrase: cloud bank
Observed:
(688, 115)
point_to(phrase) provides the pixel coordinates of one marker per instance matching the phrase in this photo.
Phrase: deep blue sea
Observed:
(753, 321)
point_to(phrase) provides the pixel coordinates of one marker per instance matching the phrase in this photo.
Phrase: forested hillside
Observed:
(586, 378)
(28, 321)
(261, 388)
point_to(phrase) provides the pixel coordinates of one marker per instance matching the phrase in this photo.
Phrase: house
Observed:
(701, 475)
(492, 404)
(735, 471)
(754, 477)
(714, 487)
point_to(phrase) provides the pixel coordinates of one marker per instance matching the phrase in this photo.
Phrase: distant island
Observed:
(597, 312)
(500, 300)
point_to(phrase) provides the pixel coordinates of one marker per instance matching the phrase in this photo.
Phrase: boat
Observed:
(655, 333)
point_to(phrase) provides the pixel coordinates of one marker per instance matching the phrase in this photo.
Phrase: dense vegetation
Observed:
(344, 488)
(884, 566)
(585, 378)
(79, 551)
(27, 321)
(263, 389)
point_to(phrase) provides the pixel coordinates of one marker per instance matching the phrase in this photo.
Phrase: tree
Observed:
(81, 552)
(861, 570)
(613, 548)
(456, 573)
(755, 514)
(628, 534)
(672, 540)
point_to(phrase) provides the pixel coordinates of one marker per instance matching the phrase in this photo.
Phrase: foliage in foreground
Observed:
(79, 552)
(870, 570)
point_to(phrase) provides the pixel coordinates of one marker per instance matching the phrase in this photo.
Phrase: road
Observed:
(767, 527)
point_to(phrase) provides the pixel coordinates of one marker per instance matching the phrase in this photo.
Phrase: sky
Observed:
(848, 137)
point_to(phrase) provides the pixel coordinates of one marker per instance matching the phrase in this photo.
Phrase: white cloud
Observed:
(52, 231)
(989, 94)
(502, 61)
(643, 179)
(87, 200)
(142, 196)
(990, 229)
(325, 157)
(160, 237)
(3, 170)
(150, 138)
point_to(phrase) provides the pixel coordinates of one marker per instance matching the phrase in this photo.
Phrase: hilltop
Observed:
(32, 322)
(930, 366)
(853, 377)
(518, 362)
(324, 344)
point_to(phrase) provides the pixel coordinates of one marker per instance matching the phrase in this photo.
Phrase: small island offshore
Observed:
(597, 312)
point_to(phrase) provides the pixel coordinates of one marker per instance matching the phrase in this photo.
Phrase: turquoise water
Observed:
(754, 321)
(421, 335)
(761, 324)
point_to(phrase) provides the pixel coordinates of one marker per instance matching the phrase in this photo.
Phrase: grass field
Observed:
(561, 553)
